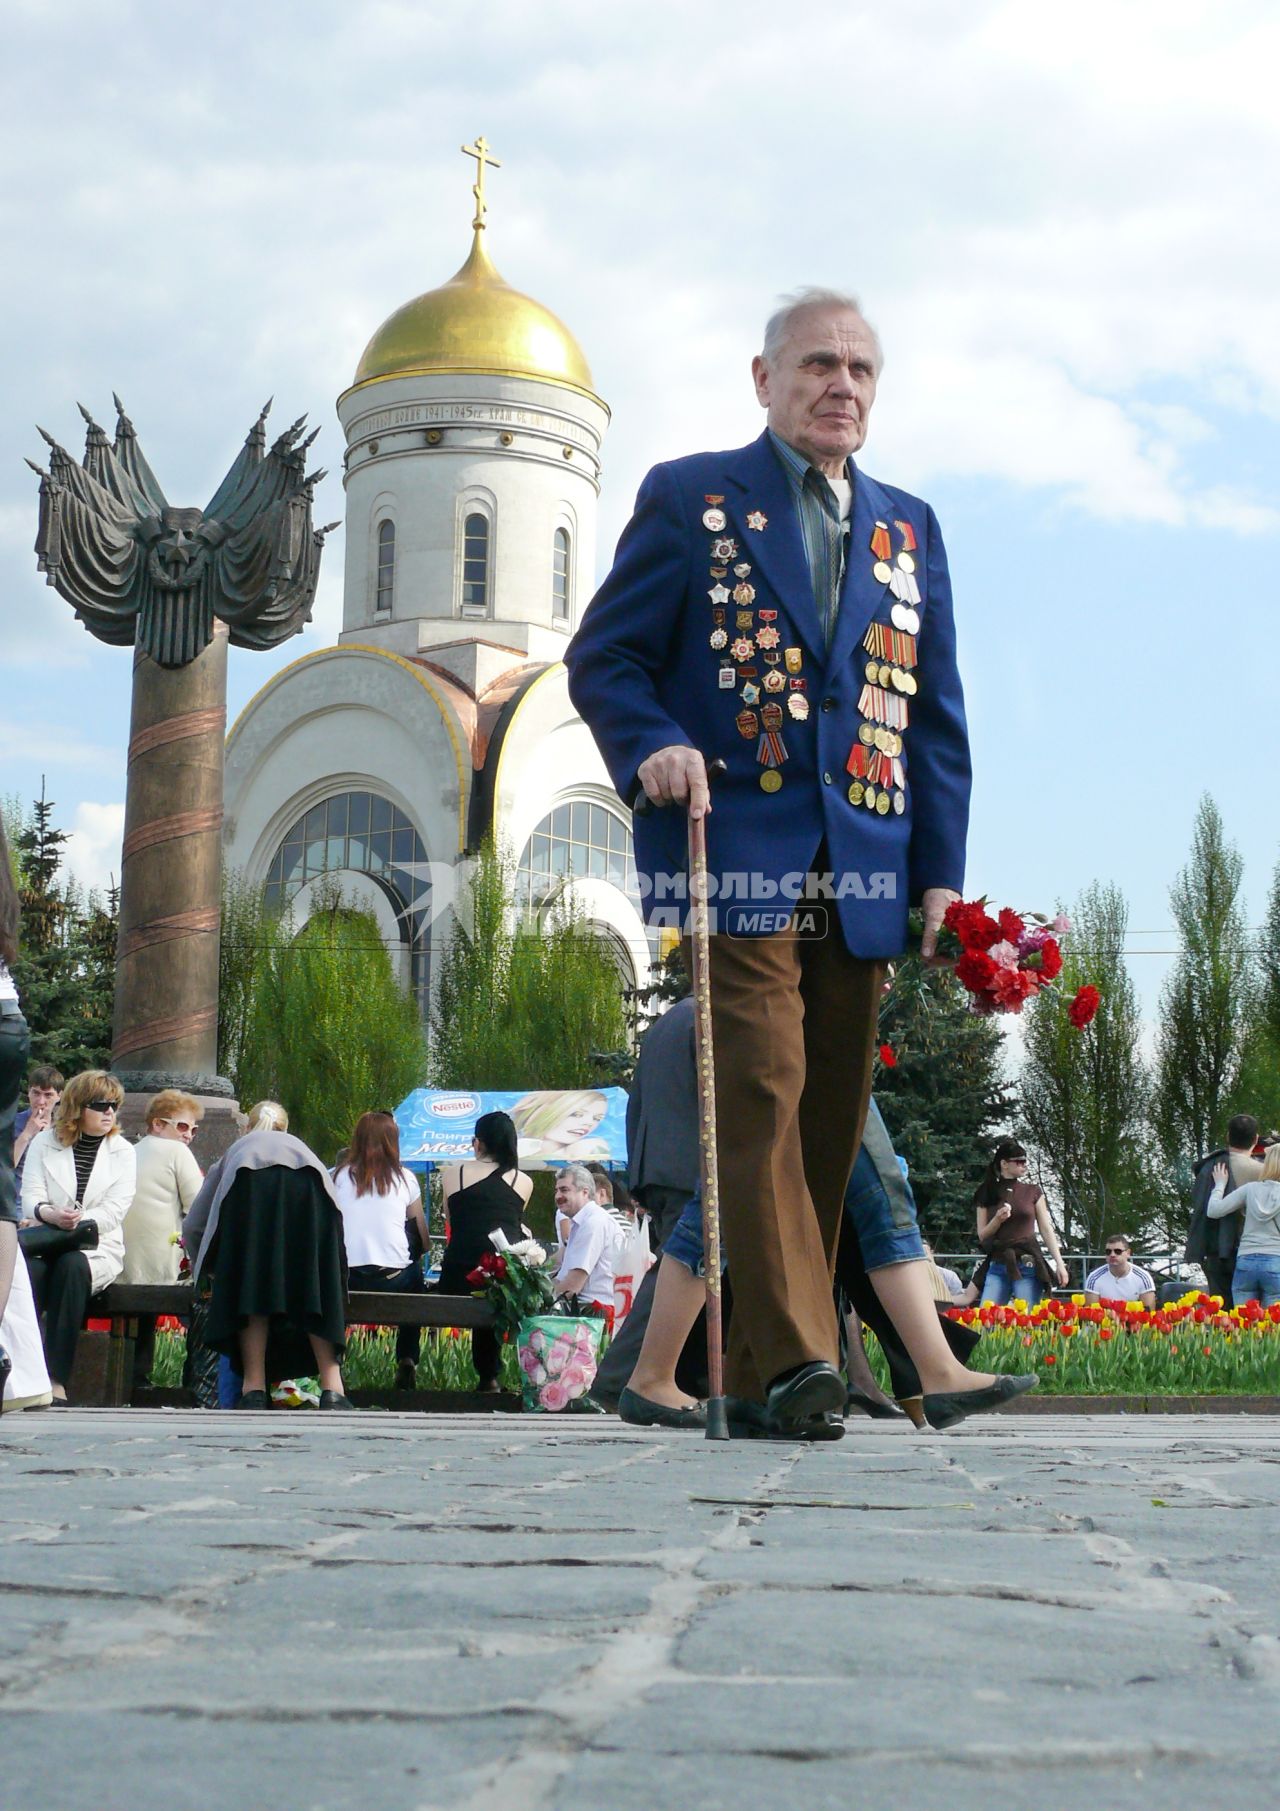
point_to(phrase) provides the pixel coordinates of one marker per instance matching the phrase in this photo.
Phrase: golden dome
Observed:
(475, 324)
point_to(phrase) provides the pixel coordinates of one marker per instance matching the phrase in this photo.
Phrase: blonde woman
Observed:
(81, 1171)
(557, 1124)
(1257, 1272)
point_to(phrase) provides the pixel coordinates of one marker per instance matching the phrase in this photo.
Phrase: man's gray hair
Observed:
(577, 1175)
(783, 317)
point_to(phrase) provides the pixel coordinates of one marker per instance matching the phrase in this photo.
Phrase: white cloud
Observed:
(93, 845)
(1056, 229)
(51, 744)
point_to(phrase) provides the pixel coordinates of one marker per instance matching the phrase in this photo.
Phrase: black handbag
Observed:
(52, 1241)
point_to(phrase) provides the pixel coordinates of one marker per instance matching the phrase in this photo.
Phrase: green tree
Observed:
(1257, 1087)
(944, 1098)
(65, 974)
(522, 1001)
(1084, 1094)
(1206, 1003)
(328, 1030)
(251, 934)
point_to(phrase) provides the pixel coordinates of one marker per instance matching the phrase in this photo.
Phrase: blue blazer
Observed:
(643, 675)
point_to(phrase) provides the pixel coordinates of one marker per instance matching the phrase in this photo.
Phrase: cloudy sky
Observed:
(1060, 218)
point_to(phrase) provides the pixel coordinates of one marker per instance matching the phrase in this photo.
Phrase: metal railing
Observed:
(1166, 1266)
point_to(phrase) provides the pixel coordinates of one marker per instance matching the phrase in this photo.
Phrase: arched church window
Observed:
(475, 565)
(365, 834)
(560, 576)
(589, 841)
(386, 567)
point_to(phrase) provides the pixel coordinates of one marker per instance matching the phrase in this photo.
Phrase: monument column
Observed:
(166, 1009)
(177, 585)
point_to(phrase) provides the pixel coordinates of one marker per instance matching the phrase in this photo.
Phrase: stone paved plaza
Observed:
(496, 1613)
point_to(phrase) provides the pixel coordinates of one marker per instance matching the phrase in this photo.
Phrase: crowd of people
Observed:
(275, 1240)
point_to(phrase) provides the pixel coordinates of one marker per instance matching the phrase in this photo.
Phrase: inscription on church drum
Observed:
(487, 413)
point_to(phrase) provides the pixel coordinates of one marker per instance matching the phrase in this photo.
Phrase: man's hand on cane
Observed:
(934, 904)
(677, 776)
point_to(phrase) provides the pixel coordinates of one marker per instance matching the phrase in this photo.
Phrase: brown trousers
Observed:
(794, 1023)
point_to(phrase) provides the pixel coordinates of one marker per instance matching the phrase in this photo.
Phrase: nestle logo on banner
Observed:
(458, 1106)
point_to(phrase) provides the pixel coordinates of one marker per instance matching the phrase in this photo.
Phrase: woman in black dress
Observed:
(267, 1224)
(489, 1195)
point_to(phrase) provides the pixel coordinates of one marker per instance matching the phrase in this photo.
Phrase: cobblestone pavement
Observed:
(501, 1614)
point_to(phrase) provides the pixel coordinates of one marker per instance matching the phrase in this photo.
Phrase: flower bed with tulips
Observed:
(1191, 1348)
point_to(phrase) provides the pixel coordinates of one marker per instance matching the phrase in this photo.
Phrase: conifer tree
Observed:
(944, 1096)
(65, 973)
(1206, 1004)
(1084, 1093)
(522, 1001)
(328, 1030)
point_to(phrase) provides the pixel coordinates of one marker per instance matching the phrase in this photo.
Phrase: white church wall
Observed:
(548, 757)
(338, 721)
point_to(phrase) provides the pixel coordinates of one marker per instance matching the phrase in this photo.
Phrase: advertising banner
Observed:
(553, 1126)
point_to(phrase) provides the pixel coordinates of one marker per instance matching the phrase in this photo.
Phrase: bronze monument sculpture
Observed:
(177, 585)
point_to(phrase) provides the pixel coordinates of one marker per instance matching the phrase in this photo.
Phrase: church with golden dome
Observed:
(441, 716)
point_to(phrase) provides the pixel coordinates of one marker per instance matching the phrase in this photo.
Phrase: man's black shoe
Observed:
(798, 1395)
(946, 1408)
(750, 1421)
(254, 1399)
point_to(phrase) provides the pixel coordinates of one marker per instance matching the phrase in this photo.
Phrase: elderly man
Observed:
(586, 1263)
(778, 609)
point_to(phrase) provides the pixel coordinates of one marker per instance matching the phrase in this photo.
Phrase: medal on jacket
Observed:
(771, 750)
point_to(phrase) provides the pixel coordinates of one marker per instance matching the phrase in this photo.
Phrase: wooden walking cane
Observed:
(704, 1058)
(705, 1067)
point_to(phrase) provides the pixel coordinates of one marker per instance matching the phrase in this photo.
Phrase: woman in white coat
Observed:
(82, 1169)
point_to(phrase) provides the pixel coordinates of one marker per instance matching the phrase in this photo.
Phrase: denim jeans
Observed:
(1001, 1288)
(684, 1241)
(1257, 1279)
(878, 1200)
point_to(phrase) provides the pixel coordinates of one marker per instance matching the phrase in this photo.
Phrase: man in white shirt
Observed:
(1120, 1279)
(586, 1263)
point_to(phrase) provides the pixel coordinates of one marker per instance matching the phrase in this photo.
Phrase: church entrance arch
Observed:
(362, 833)
(587, 842)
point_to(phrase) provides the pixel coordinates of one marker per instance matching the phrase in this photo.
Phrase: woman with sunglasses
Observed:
(1013, 1217)
(80, 1170)
(169, 1180)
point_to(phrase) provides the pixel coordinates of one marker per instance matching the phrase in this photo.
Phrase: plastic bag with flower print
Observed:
(557, 1355)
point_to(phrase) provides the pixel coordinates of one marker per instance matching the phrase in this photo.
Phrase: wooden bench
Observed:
(122, 1303)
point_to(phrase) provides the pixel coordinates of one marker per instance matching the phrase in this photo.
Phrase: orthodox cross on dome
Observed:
(480, 151)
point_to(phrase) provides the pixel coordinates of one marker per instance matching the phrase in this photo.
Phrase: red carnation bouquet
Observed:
(1006, 960)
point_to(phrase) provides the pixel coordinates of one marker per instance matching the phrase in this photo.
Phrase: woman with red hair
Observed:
(378, 1198)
